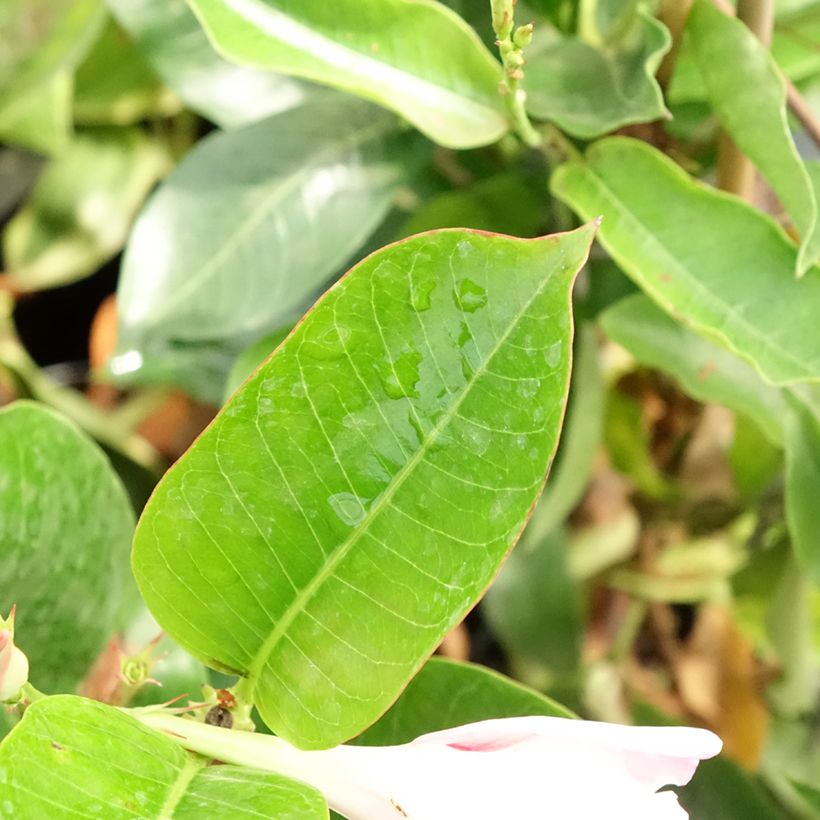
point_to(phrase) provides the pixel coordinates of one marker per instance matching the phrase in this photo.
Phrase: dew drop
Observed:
(327, 343)
(399, 376)
(469, 296)
(420, 293)
(350, 508)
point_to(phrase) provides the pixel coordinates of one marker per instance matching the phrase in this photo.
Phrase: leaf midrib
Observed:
(299, 604)
(180, 786)
(658, 295)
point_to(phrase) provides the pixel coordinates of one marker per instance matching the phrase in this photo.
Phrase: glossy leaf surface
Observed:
(245, 230)
(104, 763)
(81, 209)
(65, 530)
(415, 57)
(706, 371)
(684, 244)
(748, 95)
(357, 495)
(448, 693)
(172, 41)
(589, 90)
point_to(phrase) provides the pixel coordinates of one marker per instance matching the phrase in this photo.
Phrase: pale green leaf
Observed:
(415, 57)
(246, 229)
(589, 90)
(70, 757)
(795, 42)
(706, 372)
(748, 95)
(65, 531)
(448, 693)
(79, 213)
(686, 245)
(41, 119)
(357, 495)
(172, 41)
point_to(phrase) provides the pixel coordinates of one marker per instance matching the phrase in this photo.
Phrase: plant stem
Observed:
(736, 173)
(673, 14)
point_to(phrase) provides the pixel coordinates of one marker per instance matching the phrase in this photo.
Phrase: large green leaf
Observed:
(357, 495)
(448, 693)
(242, 234)
(414, 56)
(81, 209)
(71, 757)
(40, 120)
(589, 90)
(65, 529)
(687, 245)
(169, 37)
(748, 95)
(705, 371)
(42, 38)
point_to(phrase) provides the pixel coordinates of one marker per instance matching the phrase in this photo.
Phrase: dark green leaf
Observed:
(65, 531)
(415, 57)
(447, 693)
(357, 495)
(684, 244)
(242, 234)
(71, 757)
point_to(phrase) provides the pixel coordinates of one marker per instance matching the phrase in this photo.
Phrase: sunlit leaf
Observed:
(104, 763)
(251, 357)
(589, 90)
(748, 95)
(357, 495)
(447, 693)
(413, 56)
(172, 41)
(242, 234)
(65, 529)
(684, 244)
(81, 209)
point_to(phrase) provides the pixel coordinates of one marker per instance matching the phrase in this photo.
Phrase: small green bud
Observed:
(502, 12)
(13, 663)
(523, 35)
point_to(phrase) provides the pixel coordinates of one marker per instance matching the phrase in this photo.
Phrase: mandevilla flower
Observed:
(517, 768)
(13, 663)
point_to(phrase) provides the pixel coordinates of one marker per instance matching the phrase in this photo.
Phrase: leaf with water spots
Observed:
(357, 495)
(103, 763)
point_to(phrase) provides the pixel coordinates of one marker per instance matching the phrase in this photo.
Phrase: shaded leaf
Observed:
(794, 42)
(448, 693)
(415, 57)
(65, 530)
(749, 97)
(706, 372)
(684, 243)
(357, 495)
(79, 213)
(240, 236)
(590, 90)
(103, 762)
(169, 37)
(41, 119)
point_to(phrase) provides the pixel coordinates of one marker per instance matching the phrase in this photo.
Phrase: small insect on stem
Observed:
(219, 716)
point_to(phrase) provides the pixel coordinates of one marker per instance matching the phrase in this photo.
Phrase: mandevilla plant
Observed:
(300, 302)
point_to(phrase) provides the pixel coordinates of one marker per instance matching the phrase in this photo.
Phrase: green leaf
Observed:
(116, 86)
(535, 609)
(42, 38)
(794, 42)
(415, 57)
(81, 209)
(41, 119)
(241, 235)
(65, 530)
(721, 790)
(803, 485)
(706, 372)
(684, 244)
(251, 357)
(590, 90)
(172, 41)
(448, 693)
(748, 95)
(357, 495)
(101, 762)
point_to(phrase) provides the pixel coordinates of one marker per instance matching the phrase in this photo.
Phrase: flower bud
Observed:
(13, 663)
(502, 13)
(523, 35)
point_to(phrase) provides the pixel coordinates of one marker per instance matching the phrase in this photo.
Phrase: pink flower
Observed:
(508, 769)
(13, 663)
